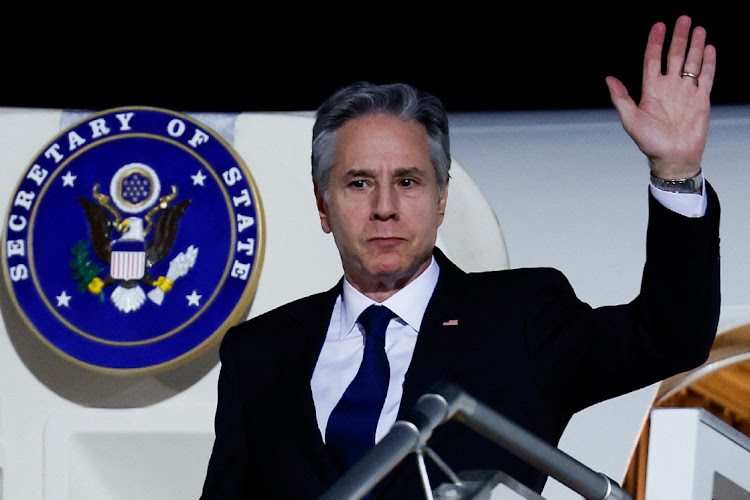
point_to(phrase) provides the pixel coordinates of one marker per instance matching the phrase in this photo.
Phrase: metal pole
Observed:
(402, 439)
(452, 403)
(532, 449)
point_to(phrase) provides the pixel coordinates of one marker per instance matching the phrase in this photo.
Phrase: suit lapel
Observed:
(440, 335)
(438, 344)
(311, 321)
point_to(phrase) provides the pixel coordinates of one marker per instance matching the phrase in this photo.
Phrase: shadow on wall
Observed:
(93, 388)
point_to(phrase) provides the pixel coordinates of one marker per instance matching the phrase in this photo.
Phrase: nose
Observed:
(384, 203)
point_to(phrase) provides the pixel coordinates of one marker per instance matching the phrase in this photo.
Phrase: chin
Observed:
(394, 269)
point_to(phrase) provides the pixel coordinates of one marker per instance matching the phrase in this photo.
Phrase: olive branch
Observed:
(85, 272)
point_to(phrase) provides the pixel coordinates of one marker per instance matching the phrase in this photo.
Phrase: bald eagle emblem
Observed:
(132, 245)
(101, 240)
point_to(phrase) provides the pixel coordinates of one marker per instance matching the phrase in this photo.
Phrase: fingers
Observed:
(708, 69)
(696, 63)
(694, 59)
(654, 47)
(676, 55)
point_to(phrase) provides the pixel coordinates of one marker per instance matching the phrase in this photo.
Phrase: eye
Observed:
(359, 183)
(407, 182)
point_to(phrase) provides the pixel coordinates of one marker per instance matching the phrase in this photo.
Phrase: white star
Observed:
(194, 299)
(198, 178)
(63, 300)
(68, 179)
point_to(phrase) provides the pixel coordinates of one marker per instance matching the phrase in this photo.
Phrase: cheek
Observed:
(426, 210)
(345, 230)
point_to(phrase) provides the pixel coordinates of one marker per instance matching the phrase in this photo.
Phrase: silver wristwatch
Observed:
(690, 185)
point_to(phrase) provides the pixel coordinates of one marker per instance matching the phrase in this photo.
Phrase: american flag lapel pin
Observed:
(450, 322)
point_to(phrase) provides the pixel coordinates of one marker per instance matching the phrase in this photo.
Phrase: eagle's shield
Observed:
(128, 260)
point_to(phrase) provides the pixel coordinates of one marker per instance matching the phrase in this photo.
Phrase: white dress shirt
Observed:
(687, 204)
(342, 350)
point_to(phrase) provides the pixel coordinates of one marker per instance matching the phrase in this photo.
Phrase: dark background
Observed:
(212, 57)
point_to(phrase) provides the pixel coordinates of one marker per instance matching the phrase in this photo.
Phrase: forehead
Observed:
(382, 136)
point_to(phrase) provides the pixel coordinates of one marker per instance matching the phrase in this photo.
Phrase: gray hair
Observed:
(364, 98)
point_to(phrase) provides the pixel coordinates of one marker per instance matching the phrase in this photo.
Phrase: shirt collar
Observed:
(409, 303)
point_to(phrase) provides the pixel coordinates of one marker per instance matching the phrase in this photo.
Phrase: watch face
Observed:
(134, 240)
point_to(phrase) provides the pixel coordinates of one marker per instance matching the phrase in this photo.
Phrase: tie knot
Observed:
(375, 320)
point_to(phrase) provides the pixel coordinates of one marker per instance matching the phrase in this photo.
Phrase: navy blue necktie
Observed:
(351, 426)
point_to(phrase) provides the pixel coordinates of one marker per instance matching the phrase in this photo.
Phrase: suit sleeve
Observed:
(589, 355)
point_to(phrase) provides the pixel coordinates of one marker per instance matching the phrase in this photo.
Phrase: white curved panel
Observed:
(68, 433)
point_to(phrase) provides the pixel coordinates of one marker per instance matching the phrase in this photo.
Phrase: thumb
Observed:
(621, 100)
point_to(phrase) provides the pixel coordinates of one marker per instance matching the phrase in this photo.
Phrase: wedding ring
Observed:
(691, 75)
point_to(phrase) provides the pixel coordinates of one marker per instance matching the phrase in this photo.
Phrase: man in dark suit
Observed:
(518, 340)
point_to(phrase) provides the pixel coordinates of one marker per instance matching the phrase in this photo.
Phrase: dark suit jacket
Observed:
(524, 345)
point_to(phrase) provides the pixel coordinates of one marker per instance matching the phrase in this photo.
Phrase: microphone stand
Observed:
(450, 402)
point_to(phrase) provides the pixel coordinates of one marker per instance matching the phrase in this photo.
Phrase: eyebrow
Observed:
(357, 172)
(401, 172)
(411, 171)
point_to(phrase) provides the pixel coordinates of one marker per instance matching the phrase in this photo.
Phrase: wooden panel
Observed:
(724, 392)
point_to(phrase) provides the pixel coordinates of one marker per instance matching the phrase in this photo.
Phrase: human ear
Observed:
(443, 201)
(320, 200)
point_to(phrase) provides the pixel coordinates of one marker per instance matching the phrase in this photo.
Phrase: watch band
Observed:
(689, 185)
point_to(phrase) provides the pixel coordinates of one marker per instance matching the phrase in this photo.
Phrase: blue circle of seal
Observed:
(134, 240)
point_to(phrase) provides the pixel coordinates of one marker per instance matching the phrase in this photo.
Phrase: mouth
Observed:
(386, 241)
